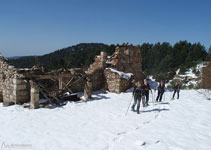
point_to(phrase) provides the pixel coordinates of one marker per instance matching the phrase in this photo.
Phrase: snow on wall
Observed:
(122, 74)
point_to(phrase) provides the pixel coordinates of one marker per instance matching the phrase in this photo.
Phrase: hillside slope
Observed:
(80, 55)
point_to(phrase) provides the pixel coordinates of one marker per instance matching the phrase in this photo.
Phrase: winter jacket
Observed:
(161, 88)
(177, 87)
(139, 91)
(147, 87)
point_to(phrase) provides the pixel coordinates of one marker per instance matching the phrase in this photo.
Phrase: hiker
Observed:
(161, 90)
(147, 88)
(177, 89)
(138, 94)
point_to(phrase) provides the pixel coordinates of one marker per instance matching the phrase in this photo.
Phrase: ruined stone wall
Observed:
(117, 81)
(12, 86)
(128, 59)
(206, 77)
(96, 71)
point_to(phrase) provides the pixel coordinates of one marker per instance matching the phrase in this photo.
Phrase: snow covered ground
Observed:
(100, 124)
(192, 78)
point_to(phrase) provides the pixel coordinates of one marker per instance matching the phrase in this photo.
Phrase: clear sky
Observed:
(35, 27)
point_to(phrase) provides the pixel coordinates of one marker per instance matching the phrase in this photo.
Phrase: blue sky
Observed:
(36, 27)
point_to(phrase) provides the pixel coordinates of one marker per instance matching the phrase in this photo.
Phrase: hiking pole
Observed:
(152, 98)
(164, 97)
(129, 106)
(154, 95)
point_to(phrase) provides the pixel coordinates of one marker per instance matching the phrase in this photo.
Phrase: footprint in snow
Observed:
(140, 143)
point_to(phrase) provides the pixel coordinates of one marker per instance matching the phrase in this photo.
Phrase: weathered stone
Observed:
(20, 87)
(88, 90)
(206, 76)
(11, 67)
(128, 59)
(117, 81)
(21, 93)
(8, 103)
(17, 81)
(96, 71)
(34, 102)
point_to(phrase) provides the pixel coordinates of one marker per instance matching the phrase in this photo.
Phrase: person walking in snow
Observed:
(177, 90)
(147, 89)
(161, 90)
(138, 93)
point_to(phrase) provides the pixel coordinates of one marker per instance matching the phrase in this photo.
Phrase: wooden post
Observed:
(60, 82)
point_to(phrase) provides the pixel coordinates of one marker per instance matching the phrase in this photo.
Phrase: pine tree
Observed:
(209, 51)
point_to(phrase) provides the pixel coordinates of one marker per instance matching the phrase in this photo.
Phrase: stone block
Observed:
(21, 93)
(18, 81)
(8, 103)
(20, 87)
(35, 97)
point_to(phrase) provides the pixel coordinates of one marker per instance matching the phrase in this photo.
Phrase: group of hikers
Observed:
(141, 93)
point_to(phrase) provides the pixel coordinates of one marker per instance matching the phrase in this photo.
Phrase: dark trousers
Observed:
(160, 95)
(175, 93)
(147, 97)
(137, 99)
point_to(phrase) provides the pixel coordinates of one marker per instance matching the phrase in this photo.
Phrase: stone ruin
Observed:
(114, 73)
(128, 59)
(18, 86)
(116, 81)
(206, 76)
(12, 87)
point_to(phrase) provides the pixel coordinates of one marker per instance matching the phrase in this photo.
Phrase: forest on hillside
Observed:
(160, 59)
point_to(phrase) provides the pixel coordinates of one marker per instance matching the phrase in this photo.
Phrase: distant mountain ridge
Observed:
(80, 55)
(15, 57)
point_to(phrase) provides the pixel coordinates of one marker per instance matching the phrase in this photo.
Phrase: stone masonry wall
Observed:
(128, 59)
(115, 82)
(206, 77)
(96, 71)
(12, 86)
